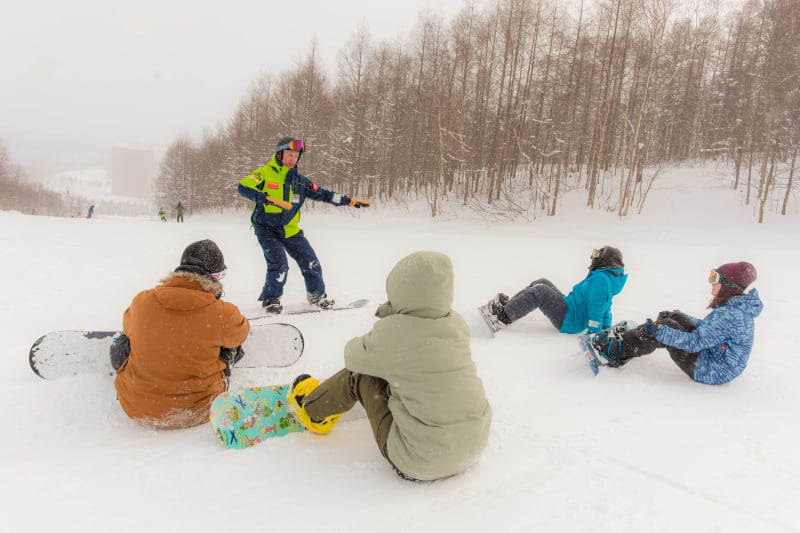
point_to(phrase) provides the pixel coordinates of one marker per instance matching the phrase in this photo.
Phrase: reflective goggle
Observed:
(219, 275)
(595, 254)
(715, 277)
(297, 146)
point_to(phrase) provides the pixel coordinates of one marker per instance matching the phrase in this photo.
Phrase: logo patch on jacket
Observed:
(315, 186)
(273, 185)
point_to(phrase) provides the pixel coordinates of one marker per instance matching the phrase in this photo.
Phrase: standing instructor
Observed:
(279, 191)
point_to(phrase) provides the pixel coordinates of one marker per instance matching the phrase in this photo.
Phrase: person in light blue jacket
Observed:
(713, 350)
(586, 308)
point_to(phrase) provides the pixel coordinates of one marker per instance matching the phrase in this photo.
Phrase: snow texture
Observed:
(641, 448)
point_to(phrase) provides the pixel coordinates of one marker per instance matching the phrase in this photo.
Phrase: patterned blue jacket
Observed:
(589, 302)
(723, 339)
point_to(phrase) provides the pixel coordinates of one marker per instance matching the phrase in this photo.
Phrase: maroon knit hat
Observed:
(737, 276)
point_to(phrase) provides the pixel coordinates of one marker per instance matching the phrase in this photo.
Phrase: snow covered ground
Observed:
(640, 448)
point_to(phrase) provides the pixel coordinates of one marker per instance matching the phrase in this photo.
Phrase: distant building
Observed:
(132, 170)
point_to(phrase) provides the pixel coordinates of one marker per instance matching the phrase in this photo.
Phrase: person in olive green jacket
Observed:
(414, 375)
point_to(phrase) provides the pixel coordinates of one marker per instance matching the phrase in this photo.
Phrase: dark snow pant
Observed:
(540, 294)
(340, 392)
(686, 361)
(636, 342)
(275, 248)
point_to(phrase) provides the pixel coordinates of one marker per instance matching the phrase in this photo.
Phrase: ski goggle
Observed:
(715, 277)
(297, 146)
(219, 275)
(595, 253)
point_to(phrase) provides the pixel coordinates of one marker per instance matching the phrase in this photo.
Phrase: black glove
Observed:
(676, 320)
(230, 356)
(120, 351)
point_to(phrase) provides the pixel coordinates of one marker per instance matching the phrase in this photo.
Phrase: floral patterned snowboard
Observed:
(246, 417)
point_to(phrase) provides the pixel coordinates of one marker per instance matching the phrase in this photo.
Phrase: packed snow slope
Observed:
(641, 448)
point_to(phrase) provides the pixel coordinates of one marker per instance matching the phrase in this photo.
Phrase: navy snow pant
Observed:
(275, 248)
(540, 294)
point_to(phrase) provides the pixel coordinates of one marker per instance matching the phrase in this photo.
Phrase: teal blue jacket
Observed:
(589, 302)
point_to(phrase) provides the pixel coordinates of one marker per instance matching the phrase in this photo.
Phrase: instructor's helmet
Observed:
(289, 143)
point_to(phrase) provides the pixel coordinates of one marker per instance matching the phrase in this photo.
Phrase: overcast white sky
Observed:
(77, 76)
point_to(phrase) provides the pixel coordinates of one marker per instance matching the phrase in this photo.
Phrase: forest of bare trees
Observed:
(16, 194)
(506, 107)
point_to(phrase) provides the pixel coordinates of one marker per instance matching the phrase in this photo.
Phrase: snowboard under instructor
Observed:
(279, 191)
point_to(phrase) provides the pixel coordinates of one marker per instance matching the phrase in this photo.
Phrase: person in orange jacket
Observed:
(182, 339)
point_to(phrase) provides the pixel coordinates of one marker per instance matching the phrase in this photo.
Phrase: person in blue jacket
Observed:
(279, 191)
(586, 307)
(713, 350)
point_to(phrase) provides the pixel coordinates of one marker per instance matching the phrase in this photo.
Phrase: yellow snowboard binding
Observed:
(303, 386)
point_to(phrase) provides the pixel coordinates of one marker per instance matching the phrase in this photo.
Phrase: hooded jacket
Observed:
(723, 339)
(589, 302)
(420, 347)
(176, 330)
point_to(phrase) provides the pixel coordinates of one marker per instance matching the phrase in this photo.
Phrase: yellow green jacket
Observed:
(283, 183)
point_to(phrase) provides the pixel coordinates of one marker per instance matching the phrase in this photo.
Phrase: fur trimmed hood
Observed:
(207, 284)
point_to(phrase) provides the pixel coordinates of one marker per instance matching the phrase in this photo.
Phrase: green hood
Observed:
(420, 285)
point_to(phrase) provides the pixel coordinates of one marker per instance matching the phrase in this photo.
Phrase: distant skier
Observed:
(182, 340)
(586, 307)
(179, 211)
(91, 210)
(414, 375)
(162, 215)
(713, 350)
(279, 191)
